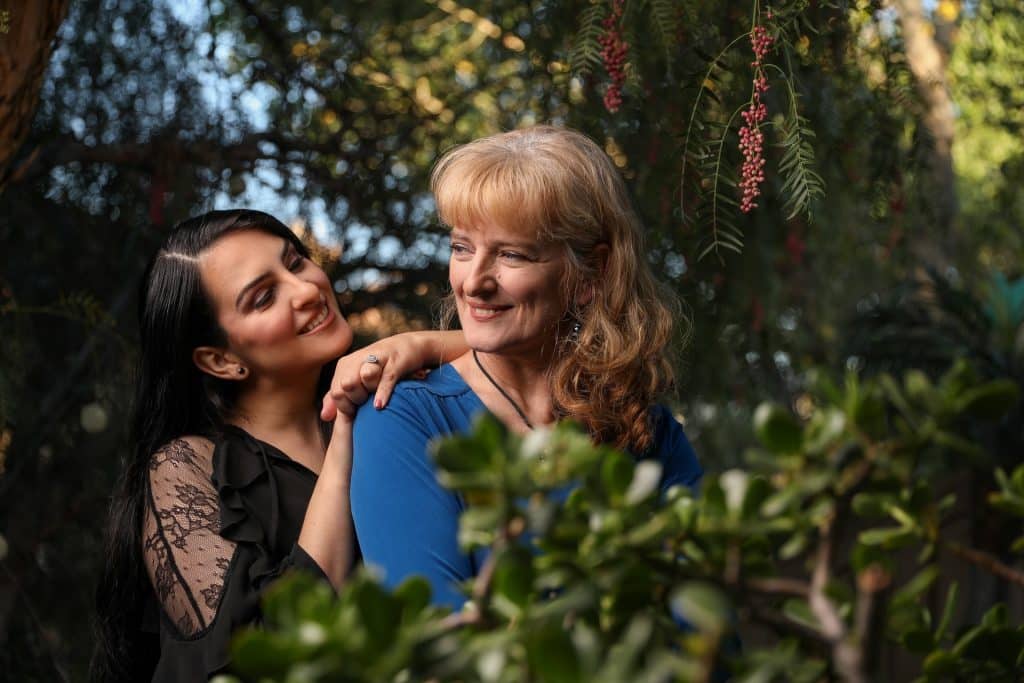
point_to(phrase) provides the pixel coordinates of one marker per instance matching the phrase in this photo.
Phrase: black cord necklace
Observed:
(502, 391)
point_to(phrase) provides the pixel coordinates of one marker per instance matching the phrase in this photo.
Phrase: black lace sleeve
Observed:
(185, 554)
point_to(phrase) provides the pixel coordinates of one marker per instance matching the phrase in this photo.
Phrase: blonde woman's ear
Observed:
(218, 363)
(585, 293)
(601, 253)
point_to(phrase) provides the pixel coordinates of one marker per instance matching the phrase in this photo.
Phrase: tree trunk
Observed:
(927, 62)
(27, 31)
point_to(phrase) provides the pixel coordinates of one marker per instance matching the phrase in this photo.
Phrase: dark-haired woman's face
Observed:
(276, 307)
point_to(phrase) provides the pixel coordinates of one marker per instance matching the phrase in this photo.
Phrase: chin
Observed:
(487, 346)
(343, 340)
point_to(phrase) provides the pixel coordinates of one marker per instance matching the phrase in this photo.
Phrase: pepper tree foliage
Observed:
(618, 582)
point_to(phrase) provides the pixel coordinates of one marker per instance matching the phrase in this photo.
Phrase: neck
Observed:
(275, 411)
(513, 380)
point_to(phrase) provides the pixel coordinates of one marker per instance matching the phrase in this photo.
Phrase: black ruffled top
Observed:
(222, 524)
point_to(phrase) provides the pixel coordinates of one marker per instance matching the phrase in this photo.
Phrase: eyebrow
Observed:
(523, 243)
(261, 277)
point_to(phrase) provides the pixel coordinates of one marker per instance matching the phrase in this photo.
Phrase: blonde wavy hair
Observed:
(560, 185)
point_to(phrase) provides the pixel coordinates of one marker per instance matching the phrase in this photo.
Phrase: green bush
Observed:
(621, 583)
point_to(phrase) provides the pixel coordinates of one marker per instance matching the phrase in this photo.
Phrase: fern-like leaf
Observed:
(85, 308)
(664, 16)
(801, 184)
(585, 53)
(697, 147)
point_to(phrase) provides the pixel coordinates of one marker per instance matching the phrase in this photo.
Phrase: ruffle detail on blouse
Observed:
(242, 464)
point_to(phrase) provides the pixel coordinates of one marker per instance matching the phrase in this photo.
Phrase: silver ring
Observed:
(372, 359)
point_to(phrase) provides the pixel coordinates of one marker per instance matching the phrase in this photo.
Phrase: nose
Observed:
(479, 280)
(304, 293)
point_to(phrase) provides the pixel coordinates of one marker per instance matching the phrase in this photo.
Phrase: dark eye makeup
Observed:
(294, 261)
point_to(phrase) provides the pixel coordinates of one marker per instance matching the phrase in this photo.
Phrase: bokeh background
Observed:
(894, 156)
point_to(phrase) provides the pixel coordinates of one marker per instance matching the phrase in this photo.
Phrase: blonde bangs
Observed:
(473, 187)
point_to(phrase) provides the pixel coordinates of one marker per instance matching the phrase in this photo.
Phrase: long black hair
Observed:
(173, 398)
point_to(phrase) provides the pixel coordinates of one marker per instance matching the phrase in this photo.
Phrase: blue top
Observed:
(406, 522)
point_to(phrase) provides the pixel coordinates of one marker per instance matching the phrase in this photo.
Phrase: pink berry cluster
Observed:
(613, 53)
(751, 137)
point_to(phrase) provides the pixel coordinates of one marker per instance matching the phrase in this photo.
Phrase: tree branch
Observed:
(985, 561)
(24, 55)
(928, 65)
(778, 586)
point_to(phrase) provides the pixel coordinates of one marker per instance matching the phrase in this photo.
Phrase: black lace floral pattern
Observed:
(196, 511)
(186, 557)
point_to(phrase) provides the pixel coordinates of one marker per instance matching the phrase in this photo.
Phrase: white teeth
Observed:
(316, 321)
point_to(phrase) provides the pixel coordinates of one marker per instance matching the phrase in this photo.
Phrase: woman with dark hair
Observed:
(235, 475)
(563, 318)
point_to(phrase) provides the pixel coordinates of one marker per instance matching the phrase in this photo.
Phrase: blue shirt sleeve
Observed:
(406, 522)
(674, 452)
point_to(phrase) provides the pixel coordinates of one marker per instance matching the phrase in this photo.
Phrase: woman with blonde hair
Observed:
(562, 317)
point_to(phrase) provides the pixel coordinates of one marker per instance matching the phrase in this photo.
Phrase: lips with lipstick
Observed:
(484, 312)
(321, 319)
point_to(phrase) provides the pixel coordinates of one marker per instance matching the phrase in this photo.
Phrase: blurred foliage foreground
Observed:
(618, 583)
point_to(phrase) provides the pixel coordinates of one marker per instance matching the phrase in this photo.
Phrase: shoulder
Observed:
(422, 404)
(444, 382)
(672, 449)
(186, 456)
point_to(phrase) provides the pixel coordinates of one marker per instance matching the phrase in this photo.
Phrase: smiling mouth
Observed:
(317, 321)
(485, 313)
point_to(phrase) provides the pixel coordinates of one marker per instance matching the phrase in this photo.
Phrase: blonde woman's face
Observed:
(507, 290)
(276, 307)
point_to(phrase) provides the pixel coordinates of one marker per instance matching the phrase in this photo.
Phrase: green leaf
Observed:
(801, 183)
(257, 654)
(758, 490)
(664, 20)
(872, 504)
(781, 501)
(1017, 547)
(702, 605)
(414, 594)
(793, 547)
(889, 538)
(965, 641)
(799, 611)
(713, 499)
(463, 455)
(913, 589)
(941, 663)
(380, 614)
(989, 401)
(868, 413)
(997, 617)
(825, 427)
(777, 429)
(513, 575)
(586, 50)
(616, 474)
(947, 612)
(552, 655)
(863, 556)
(917, 385)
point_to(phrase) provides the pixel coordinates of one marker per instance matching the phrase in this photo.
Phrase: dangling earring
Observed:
(574, 334)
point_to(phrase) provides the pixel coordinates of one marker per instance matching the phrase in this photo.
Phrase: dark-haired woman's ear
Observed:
(217, 363)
